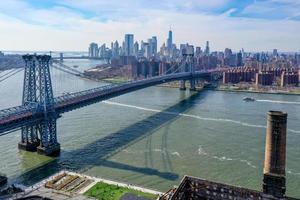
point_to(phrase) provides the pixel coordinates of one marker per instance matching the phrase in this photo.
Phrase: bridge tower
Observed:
(190, 60)
(37, 91)
(61, 57)
(188, 66)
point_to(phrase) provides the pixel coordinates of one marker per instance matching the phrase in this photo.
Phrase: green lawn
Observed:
(117, 79)
(103, 191)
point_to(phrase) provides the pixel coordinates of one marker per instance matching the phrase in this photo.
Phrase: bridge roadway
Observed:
(16, 117)
(78, 57)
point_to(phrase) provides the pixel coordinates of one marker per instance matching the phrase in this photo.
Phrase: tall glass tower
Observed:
(129, 44)
(170, 40)
(207, 48)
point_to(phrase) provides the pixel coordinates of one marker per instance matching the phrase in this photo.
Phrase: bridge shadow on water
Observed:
(97, 152)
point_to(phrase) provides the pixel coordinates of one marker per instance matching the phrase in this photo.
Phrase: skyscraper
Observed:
(149, 48)
(102, 51)
(128, 44)
(154, 46)
(93, 50)
(298, 61)
(115, 50)
(146, 49)
(198, 51)
(207, 48)
(136, 49)
(239, 58)
(228, 57)
(275, 53)
(170, 40)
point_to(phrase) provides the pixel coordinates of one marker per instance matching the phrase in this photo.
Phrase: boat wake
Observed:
(279, 102)
(192, 116)
(224, 158)
(293, 172)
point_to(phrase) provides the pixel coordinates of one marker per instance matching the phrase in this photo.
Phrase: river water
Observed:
(155, 136)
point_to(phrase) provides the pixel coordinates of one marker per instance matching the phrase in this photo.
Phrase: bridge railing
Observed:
(17, 110)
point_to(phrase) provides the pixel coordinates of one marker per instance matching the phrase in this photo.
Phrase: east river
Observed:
(154, 136)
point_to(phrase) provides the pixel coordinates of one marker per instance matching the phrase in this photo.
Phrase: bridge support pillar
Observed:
(48, 145)
(61, 57)
(3, 180)
(53, 150)
(192, 85)
(28, 146)
(29, 138)
(182, 85)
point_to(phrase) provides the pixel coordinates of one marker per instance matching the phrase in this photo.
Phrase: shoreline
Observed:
(256, 92)
(35, 188)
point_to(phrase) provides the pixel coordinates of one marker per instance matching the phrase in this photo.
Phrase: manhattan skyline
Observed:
(32, 25)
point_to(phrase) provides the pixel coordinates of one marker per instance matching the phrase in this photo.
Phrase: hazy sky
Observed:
(255, 25)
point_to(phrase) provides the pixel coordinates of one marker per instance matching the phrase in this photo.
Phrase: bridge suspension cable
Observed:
(10, 71)
(7, 132)
(10, 74)
(172, 68)
(66, 68)
(65, 81)
(63, 69)
(69, 70)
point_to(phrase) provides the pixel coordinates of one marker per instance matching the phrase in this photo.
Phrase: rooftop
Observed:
(197, 188)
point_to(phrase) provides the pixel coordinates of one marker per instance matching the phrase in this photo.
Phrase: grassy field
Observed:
(116, 79)
(103, 191)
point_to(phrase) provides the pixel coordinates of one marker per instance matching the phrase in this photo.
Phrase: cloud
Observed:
(70, 26)
(273, 9)
(131, 5)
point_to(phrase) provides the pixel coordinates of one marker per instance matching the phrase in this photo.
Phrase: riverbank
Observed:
(67, 184)
(255, 91)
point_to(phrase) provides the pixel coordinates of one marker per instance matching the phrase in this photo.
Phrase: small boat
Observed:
(75, 66)
(247, 99)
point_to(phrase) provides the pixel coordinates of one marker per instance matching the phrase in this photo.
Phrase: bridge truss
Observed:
(37, 91)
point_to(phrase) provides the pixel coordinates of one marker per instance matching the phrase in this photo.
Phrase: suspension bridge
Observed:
(38, 114)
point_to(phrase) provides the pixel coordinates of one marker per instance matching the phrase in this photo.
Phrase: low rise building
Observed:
(289, 79)
(264, 78)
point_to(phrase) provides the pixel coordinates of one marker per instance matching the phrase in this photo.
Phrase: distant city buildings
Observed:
(261, 68)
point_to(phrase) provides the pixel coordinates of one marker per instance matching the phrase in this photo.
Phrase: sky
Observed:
(71, 25)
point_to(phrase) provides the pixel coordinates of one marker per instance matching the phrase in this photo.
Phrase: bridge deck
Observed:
(18, 116)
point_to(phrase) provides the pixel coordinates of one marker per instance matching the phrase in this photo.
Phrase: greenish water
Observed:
(153, 137)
